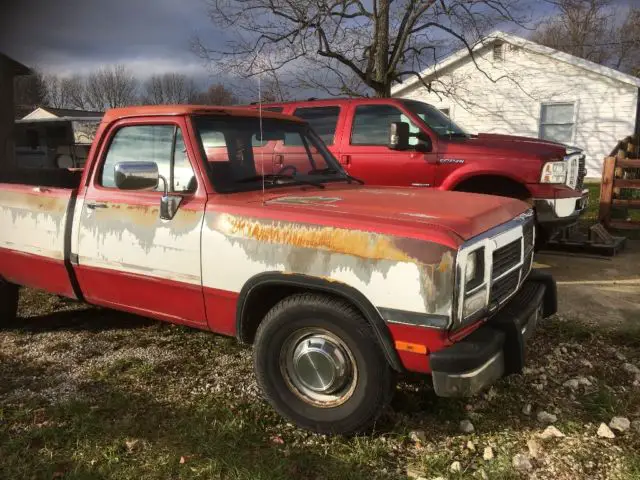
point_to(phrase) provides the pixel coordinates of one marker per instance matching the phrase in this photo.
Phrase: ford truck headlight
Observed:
(554, 172)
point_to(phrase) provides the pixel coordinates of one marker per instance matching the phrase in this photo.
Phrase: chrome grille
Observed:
(506, 258)
(582, 172)
(504, 287)
(528, 229)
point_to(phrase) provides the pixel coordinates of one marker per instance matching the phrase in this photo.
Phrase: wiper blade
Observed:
(274, 178)
(347, 177)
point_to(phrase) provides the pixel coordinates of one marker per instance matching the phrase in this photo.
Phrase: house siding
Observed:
(604, 112)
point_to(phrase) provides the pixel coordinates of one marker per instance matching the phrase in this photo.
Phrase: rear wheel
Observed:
(9, 294)
(320, 366)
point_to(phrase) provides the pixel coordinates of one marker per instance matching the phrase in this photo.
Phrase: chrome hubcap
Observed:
(318, 367)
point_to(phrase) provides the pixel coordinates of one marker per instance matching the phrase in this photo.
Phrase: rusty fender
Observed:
(391, 272)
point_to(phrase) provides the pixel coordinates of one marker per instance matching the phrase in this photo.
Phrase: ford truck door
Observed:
(127, 256)
(365, 153)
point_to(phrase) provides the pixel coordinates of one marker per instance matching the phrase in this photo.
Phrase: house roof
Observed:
(16, 67)
(525, 44)
(61, 113)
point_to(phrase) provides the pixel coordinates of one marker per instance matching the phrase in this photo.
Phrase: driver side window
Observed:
(371, 125)
(150, 143)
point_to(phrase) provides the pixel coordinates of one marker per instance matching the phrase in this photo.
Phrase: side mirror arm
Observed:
(169, 204)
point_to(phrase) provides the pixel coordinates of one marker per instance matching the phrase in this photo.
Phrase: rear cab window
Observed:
(323, 120)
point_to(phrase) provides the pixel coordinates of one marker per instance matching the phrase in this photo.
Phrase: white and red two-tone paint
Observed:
(442, 280)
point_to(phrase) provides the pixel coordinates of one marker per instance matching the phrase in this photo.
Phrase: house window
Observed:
(557, 122)
(498, 52)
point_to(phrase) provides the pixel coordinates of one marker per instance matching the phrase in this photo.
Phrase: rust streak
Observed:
(349, 242)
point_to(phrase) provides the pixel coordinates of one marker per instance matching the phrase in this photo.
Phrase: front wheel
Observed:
(9, 294)
(320, 366)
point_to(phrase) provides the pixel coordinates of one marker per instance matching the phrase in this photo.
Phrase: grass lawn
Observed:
(89, 394)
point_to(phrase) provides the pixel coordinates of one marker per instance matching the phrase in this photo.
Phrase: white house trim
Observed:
(523, 43)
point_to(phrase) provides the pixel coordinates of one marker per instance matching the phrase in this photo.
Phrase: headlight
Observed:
(474, 269)
(554, 172)
(474, 303)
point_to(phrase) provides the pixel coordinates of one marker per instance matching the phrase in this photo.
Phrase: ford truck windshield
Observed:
(435, 119)
(243, 153)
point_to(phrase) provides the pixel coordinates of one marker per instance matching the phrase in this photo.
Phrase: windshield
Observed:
(240, 158)
(435, 119)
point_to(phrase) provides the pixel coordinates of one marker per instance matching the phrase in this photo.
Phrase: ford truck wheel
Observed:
(319, 365)
(9, 294)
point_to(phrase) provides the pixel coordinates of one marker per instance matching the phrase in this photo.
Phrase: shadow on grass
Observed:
(87, 438)
(90, 319)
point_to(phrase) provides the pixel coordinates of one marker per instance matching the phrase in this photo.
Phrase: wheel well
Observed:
(494, 185)
(258, 298)
(257, 304)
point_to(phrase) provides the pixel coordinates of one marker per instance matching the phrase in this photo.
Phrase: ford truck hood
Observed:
(504, 146)
(465, 214)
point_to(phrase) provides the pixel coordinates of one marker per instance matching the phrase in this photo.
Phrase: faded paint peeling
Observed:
(33, 223)
(401, 273)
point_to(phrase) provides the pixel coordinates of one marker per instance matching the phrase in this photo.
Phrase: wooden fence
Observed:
(620, 188)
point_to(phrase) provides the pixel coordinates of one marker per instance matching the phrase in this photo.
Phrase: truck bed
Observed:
(35, 207)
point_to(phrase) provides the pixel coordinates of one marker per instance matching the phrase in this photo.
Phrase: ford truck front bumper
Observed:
(554, 213)
(497, 348)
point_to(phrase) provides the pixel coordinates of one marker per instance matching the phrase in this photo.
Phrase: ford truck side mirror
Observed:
(136, 175)
(399, 136)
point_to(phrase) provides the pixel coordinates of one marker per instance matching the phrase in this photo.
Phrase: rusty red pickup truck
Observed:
(181, 214)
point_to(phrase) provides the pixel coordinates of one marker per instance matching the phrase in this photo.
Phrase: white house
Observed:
(522, 88)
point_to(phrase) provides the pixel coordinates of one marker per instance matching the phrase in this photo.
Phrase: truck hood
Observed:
(505, 145)
(391, 209)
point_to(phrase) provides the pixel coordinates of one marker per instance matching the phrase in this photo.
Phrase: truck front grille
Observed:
(507, 257)
(504, 287)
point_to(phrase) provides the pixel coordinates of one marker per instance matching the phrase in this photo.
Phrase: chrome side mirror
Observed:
(169, 204)
(136, 175)
(399, 136)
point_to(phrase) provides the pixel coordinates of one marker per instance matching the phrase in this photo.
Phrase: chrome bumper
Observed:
(497, 348)
(560, 210)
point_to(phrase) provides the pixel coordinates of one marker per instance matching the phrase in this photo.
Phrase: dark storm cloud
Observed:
(68, 36)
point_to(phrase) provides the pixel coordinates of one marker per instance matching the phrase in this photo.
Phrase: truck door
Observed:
(128, 257)
(324, 121)
(365, 153)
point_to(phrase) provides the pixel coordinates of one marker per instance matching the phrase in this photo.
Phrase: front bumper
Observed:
(497, 348)
(560, 212)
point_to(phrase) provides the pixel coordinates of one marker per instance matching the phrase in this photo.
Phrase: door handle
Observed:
(345, 159)
(279, 159)
(93, 205)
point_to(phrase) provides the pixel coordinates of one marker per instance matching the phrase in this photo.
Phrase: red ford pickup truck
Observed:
(441, 154)
(180, 215)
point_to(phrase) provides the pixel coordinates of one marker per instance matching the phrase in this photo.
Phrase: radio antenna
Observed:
(261, 138)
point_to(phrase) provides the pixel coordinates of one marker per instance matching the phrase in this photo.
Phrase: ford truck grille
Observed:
(576, 171)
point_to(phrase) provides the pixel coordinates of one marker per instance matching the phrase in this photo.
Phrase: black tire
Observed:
(9, 294)
(372, 386)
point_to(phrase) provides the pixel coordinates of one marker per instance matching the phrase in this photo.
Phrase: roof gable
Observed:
(525, 44)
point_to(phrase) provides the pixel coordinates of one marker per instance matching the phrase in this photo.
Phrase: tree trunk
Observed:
(381, 49)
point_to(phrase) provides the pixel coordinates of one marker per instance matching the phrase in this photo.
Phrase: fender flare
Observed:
(339, 289)
(462, 174)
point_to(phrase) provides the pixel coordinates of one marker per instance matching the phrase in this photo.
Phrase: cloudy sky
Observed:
(148, 36)
(76, 36)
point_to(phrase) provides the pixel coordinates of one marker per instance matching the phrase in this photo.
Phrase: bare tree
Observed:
(111, 87)
(591, 29)
(169, 88)
(331, 43)
(216, 94)
(30, 90)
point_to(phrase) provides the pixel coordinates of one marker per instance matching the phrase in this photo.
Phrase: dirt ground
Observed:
(597, 290)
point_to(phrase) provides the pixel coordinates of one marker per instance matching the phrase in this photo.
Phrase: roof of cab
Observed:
(177, 110)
